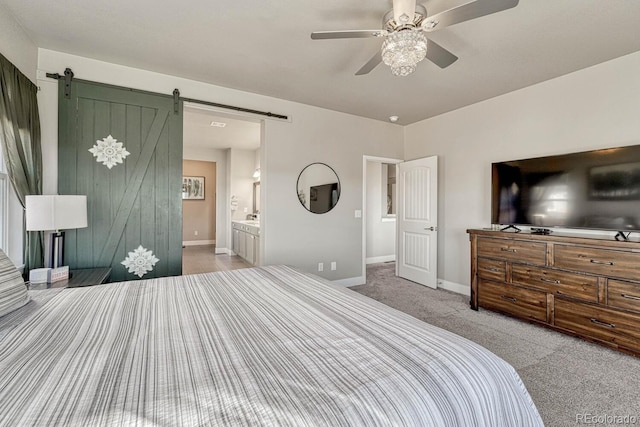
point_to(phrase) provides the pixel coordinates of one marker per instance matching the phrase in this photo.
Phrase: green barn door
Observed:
(123, 149)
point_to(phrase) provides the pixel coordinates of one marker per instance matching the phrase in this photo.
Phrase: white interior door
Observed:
(417, 221)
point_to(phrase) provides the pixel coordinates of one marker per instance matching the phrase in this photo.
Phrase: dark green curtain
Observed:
(20, 140)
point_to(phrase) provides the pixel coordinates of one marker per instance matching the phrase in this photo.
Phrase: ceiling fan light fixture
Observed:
(402, 50)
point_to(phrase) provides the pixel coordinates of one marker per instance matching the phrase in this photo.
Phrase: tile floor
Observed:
(203, 259)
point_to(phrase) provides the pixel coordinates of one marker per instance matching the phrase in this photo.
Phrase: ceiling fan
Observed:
(403, 30)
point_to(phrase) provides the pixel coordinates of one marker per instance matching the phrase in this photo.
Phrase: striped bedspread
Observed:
(261, 346)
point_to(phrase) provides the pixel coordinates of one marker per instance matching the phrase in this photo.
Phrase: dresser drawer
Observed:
(598, 261)
(491, 269)
(513, 250)
(619, 328)
(623, 294)
(556, 282)
(524, 303)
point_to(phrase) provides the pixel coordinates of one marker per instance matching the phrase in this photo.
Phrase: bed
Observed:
(258, 346)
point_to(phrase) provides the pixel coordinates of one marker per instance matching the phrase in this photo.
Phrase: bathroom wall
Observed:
(199, 216)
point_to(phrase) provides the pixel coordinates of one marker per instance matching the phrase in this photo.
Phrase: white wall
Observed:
(258, 156)
(290, 234)
(296, 236)
(18, 48)
(243, 164)
(381, 233)
(16, 45)
(590, 109)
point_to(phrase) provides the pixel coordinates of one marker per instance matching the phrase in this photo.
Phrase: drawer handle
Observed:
(492, 269)
(599, 323)
(508, 250)
(595, 261)
(630, 296)
(512, 299)
(555, 282)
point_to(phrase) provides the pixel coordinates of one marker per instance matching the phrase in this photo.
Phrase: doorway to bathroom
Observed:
(221, 163)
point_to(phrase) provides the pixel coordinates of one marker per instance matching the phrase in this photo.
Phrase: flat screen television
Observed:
(593, 190)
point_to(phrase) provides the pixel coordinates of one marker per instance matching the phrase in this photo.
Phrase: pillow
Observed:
(13, 290)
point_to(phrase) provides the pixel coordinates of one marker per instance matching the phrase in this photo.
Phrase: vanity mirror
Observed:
(318, 188)
(256, 197)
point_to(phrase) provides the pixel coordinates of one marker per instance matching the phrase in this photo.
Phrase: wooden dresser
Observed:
(584, 286)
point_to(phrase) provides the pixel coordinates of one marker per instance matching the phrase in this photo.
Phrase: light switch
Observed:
(358, 213)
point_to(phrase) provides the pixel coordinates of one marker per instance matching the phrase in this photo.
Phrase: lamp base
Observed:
(48, 275)
(54, 250)
(59, 273)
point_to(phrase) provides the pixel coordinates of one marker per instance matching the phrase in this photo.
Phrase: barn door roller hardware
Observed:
(176, 95)
(68, 77)
(176, 101)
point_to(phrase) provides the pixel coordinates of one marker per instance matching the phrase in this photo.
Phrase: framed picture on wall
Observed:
(193, 187)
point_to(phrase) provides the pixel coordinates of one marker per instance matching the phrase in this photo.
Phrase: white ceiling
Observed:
(237, 133)
(264, 46)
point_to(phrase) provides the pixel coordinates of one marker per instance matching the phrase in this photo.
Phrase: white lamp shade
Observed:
(54, 212)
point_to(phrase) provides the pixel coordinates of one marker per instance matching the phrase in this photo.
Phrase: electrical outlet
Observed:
(195, 233)
(245, 210)
(321, 266)
(333, 266)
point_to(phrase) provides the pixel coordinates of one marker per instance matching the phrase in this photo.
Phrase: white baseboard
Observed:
(377, 259)
(454, 287)
(198, 242)
(351, 281)
(223, 251)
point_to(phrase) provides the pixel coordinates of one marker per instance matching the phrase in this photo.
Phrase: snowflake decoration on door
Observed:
(140, 261)
(109, 151)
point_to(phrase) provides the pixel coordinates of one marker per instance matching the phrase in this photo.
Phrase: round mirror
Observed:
(318, 188)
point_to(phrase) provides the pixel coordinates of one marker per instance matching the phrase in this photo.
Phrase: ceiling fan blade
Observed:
(406, 8)
(347, 34)
(465, 12)
(439, 55)
(370, 65)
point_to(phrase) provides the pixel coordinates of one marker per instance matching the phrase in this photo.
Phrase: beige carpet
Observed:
(569, 379)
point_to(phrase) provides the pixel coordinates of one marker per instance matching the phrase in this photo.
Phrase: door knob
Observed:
(432, 228)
